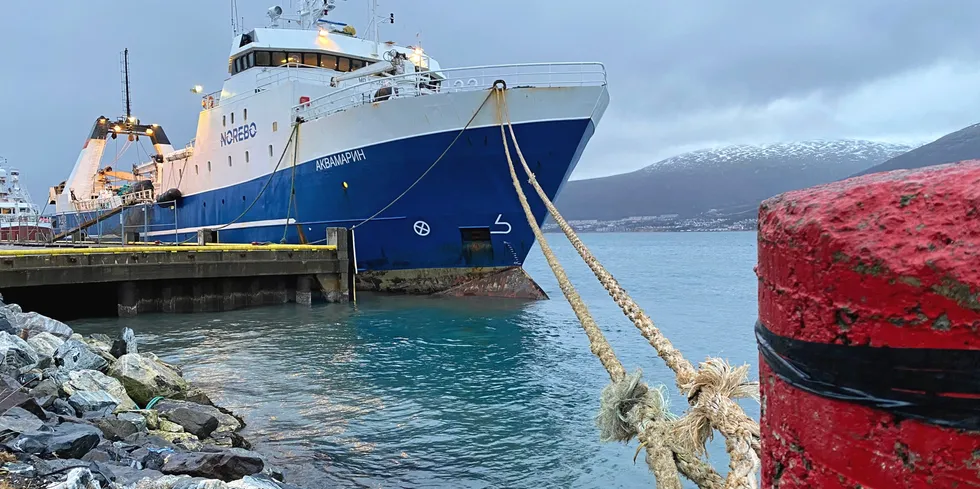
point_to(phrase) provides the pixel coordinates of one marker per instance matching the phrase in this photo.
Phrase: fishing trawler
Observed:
(316, 127)
(20, 220)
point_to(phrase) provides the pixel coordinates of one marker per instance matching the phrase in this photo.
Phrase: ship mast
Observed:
(125, 81)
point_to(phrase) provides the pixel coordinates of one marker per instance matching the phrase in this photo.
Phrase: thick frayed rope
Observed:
(711, 394)
(627, 406)
(716, 379)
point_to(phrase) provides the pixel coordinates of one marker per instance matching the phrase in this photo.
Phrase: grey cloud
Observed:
(682, 75)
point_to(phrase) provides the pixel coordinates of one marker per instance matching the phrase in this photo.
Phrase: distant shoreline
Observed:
(558, 231)
(662, 224)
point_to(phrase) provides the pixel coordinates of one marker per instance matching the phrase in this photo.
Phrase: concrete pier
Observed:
(132, 280)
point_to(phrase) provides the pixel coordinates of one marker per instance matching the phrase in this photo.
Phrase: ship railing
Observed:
(138, 197)
(451, 80)
(211, 100)
(21, 229)
(293, 72)
(101, 204)
(109, 203)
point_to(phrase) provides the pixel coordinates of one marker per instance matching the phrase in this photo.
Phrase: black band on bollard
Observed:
(937, 386)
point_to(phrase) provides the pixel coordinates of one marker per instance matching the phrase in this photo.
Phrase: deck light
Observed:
(197, 89)
(149, 132)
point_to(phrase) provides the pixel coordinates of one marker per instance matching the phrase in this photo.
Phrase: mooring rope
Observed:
(711, 390)
(433, 165)
(292, 135)
(627, 401)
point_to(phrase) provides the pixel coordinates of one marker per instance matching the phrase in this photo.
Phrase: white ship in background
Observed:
(316, 127)
(20, 220)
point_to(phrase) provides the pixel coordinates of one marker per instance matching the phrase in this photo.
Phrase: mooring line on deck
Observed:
(292, 135)
(434, 163)
(630, 408)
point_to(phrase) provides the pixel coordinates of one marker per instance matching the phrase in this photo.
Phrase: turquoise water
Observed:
(418, 392)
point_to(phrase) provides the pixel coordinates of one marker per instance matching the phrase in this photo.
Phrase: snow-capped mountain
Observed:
(730, 179)
(797, 154)
(955, 146)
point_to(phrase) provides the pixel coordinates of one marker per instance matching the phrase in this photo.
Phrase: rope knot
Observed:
(715, 382)
(627, 406)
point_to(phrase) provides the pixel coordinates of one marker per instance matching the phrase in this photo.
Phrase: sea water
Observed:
(466, 393)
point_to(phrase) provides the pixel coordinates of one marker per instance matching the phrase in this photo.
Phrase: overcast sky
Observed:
(682, 75)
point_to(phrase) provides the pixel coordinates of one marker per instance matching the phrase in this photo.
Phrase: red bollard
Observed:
(869, 332)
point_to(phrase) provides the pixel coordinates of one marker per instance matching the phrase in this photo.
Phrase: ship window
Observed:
(355, 64)
(232, 117)
(229, 160)
(279, 58)
(223, 120)
(270, 150)
(263, 58)
(343, 64)
(246, 157)
(196, 171)
(245, 114)
(180, 173)
(238, 65)
(275, 126)
(309, 59)
(250, 60)
(295, 58)
(328, 61)
(209, 166)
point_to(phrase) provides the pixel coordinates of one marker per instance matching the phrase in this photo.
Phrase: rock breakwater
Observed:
(95, 412)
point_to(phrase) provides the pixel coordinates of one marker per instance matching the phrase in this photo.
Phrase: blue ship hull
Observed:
(464, 213)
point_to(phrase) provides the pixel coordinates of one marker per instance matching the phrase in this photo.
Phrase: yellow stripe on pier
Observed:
(150, 248)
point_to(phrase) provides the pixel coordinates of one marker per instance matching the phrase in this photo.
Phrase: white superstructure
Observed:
(20, 219)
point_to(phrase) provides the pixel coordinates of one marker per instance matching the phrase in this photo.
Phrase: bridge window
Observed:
(328, 61)
(279, 58)
(263, 58)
